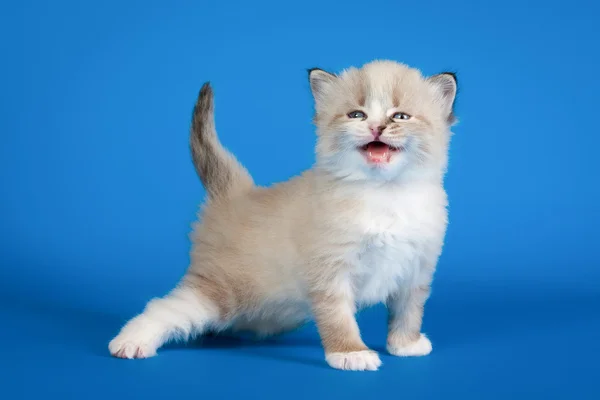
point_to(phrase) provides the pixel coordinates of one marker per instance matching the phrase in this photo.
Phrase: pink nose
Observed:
(377, 130)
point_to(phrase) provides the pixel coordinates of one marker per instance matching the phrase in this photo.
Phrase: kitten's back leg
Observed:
(181, 314)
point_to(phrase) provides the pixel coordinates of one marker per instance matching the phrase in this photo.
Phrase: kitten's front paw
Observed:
(420, 347)
(366, 360)
(125, 346)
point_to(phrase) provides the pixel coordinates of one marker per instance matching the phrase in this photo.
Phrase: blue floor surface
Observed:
(541, 344)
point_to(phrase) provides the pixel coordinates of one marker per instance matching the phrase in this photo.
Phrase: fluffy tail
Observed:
(221, 174)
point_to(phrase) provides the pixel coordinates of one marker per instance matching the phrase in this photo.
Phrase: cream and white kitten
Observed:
(365, 225)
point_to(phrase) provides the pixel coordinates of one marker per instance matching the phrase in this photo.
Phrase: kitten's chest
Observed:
(392, 231)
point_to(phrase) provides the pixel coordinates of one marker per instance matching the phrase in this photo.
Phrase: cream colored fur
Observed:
(343, 235)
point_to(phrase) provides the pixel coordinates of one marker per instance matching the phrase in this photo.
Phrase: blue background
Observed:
(98, 191)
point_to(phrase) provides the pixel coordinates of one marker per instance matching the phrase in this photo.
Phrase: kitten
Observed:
(365, 225)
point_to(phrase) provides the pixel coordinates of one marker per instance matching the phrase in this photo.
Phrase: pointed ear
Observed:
(446, 86)
(320, 82)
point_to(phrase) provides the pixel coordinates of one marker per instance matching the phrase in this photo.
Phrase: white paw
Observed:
(135, 340)
(421, 347)
(123, 348)
(366, 360)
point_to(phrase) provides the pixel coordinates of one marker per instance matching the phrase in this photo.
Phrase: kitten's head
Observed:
(383, 121)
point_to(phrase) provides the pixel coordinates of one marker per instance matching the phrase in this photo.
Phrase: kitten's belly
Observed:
(275, 316)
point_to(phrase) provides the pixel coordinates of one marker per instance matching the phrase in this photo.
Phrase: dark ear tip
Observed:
(311, 70)
(452, 74)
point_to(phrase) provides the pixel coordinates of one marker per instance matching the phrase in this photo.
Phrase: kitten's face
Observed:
(382, 121)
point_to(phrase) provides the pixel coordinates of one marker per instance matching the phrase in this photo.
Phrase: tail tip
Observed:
(204, 103)
(206, 90)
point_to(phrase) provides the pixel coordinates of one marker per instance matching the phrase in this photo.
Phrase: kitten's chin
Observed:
(379, 153)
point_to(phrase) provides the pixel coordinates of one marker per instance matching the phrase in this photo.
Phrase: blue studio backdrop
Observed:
(98, 191)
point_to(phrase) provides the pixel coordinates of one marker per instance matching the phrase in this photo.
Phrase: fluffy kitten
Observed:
(365, 225)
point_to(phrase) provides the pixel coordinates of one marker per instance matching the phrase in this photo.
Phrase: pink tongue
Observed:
(378, 154)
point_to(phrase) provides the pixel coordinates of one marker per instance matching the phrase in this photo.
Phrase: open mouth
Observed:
(378, 152)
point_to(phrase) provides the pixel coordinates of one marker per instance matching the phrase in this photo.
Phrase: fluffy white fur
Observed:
(365, 360)
(346, 234)
(421, 347)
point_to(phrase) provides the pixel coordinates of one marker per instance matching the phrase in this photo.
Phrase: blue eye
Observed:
(357, 114)
(401, 115)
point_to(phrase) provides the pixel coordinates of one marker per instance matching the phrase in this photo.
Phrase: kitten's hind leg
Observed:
(182, 313)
